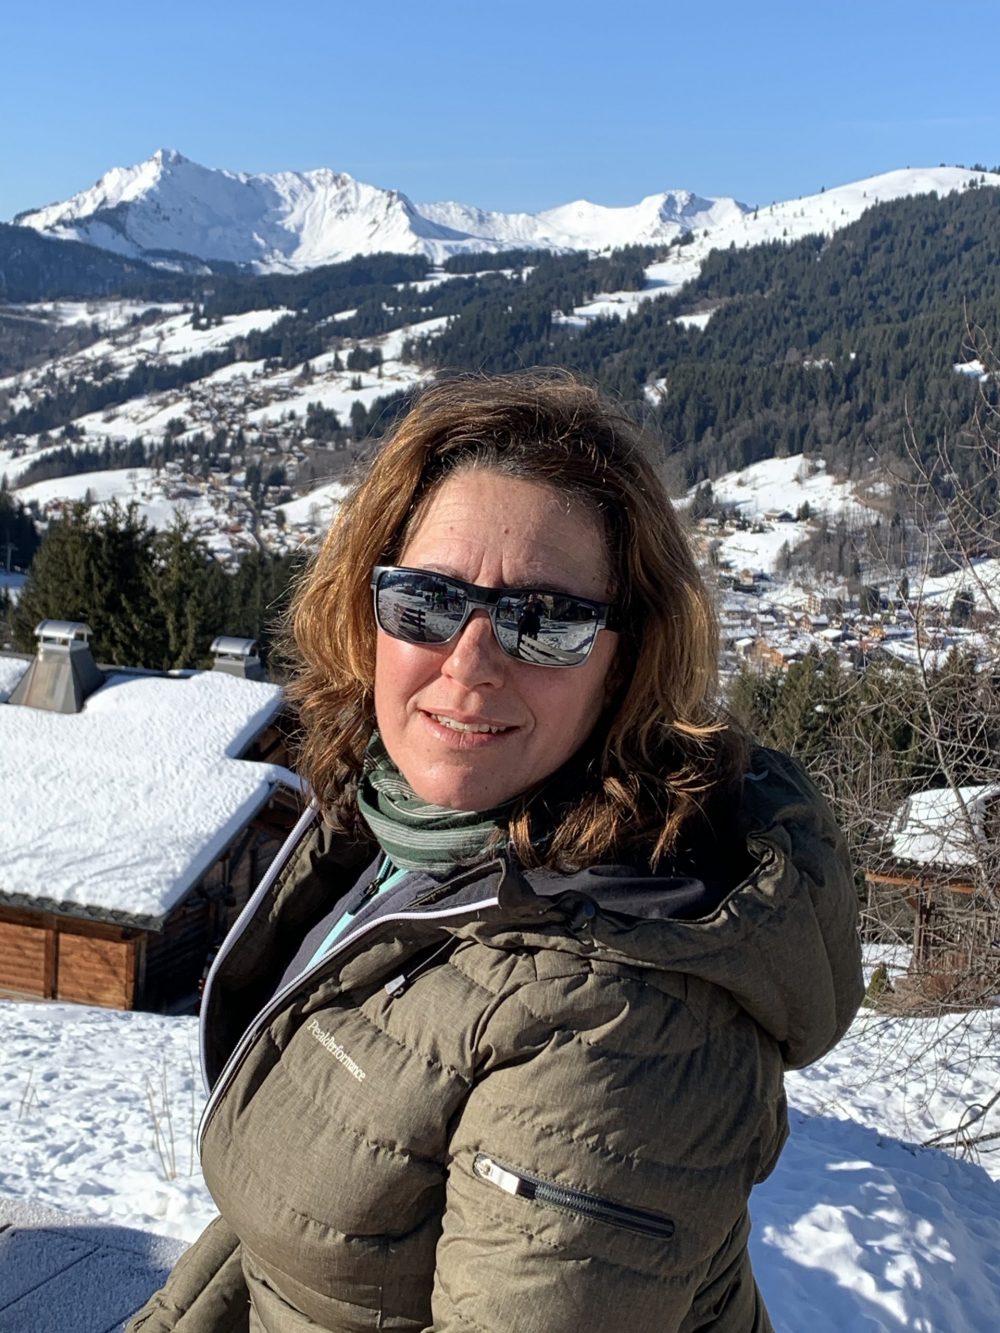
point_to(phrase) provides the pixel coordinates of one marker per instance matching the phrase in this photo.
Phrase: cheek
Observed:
(574, 701)
(395, 678)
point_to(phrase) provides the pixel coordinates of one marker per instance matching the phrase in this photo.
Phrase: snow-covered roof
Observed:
(119, 810)
(12, 668)
(930, 827)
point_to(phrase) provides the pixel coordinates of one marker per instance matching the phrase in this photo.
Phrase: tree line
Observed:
(153, 599)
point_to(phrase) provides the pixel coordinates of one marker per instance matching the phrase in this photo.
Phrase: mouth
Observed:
(469, 728)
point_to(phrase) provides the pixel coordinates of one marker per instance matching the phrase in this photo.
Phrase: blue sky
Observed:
(515, 106)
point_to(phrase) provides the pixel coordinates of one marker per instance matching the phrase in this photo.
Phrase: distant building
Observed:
(140, 809)
(943, 873)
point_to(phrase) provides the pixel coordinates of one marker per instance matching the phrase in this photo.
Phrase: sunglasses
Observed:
(553, 629)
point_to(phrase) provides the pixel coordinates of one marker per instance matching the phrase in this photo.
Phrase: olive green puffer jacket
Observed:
(512, 1106)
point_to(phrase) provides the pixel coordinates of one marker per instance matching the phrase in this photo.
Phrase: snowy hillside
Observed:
(264, 406)
(299, 219)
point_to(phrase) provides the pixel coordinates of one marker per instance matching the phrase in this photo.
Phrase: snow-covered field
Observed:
(764, 491)
(857, 1229)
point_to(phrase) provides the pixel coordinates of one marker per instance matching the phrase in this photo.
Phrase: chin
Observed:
(460, 792)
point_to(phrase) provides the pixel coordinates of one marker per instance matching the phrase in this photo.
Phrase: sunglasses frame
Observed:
(478, 597)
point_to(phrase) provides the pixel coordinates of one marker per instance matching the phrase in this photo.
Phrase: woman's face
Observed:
(498, 532)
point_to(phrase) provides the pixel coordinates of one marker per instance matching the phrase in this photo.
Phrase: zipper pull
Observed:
(367, 893)
(397, 985)
(487, 1169)
(373, 886)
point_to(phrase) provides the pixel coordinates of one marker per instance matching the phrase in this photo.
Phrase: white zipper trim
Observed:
(253, 1031)
(281, 859)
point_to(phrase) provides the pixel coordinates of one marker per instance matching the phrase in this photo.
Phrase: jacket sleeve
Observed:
(205, 1293)
(653, 1131)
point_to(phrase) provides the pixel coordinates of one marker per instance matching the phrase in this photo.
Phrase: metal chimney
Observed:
(237, 657)
(63, 672)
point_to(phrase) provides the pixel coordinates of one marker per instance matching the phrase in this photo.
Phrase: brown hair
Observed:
(663, 744)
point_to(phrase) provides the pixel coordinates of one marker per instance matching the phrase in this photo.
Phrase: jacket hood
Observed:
(783, 942)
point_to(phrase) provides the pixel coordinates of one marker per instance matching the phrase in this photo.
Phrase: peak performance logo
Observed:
(328, 1040)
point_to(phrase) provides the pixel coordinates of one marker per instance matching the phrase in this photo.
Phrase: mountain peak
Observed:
(292, 220)
(168, 157)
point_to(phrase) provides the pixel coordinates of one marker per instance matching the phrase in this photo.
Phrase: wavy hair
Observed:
(662, 746)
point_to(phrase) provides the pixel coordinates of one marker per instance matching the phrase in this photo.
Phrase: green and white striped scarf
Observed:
(416, 834)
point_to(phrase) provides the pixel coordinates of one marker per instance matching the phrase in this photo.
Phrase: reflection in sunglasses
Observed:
(547, 629)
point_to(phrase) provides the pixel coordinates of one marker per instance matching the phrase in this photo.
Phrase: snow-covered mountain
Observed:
(657, 219)
(299, 219)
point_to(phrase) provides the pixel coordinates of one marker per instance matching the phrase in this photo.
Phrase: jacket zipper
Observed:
(526, 1186)
(232, 1065)
(397, 985)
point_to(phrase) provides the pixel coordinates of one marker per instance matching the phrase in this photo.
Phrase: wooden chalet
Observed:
(940, 889)
(136, 932)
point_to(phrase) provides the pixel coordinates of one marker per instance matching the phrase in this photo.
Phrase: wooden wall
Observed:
(63, 958)
(23, 965)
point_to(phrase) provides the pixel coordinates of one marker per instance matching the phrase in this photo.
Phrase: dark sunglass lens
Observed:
(546, 628)
(423, 608)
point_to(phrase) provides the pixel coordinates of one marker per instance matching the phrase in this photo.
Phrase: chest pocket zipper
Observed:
(568, 1200)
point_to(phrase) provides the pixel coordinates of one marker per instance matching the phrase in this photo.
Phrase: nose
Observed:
(475, 658)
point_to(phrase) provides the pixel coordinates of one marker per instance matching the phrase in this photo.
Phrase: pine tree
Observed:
(188, 599)
(59, 584)
(119, 576)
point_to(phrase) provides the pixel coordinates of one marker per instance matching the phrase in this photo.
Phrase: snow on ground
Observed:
(857, 1229)
(316, 509)
(760, 550)
(782, 485)
(124, 484)
(178, 339)
(11, 670)
(107, 315)
(436, 279)
(14, 461)
(163, 821)
(12, 583)
(172, 339)
(391, 344)
(237, 370)
(158, 498)
(146, 414)
(205, 514)
(974, 369)
(822, 213)
(773, 487)
(696, 321)
(980, 577)
(85, 1094)
(335, 392)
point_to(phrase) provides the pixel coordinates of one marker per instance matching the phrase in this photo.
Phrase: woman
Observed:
(498, 1044)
